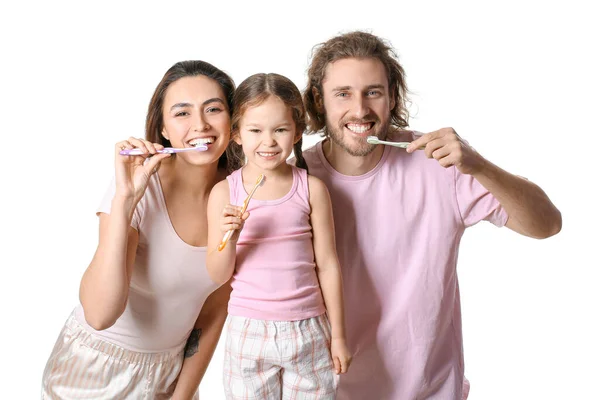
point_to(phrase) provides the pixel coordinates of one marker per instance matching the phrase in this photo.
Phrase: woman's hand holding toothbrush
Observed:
(131, 173)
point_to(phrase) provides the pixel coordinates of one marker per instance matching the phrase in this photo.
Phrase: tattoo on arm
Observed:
(191, 347)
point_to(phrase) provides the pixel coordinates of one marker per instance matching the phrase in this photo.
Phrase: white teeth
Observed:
(358, 128)
(266, 154)
(199, 141)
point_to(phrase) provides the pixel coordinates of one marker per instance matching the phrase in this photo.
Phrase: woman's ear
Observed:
(165, 134)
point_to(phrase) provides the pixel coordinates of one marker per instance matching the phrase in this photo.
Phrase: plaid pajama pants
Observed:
(286, 360)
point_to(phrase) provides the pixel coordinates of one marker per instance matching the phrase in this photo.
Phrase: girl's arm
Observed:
(328, 269)
(202, 343)
(222, 217)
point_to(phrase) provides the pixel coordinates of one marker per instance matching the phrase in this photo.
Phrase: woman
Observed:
(150, 317)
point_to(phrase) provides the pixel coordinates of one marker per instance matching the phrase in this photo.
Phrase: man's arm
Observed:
(530, 211)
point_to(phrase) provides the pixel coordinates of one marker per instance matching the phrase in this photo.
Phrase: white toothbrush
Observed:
(402, 145)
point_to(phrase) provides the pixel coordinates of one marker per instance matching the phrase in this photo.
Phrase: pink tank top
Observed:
(275, 276)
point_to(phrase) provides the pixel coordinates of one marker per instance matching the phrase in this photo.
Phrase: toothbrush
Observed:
(259, 182)
(166, 150)
(402, 145)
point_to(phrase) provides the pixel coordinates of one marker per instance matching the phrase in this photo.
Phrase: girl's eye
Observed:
(280, 130)
(254, 130)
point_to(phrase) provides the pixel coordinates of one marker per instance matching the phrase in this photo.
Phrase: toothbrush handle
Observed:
(166, 150)
(226, 238)
(139, 152)
(229, 233)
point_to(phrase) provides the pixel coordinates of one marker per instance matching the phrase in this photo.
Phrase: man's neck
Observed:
(347, 164)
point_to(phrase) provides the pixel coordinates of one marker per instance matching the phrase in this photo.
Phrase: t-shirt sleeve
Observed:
(106, 203)
(476, 203)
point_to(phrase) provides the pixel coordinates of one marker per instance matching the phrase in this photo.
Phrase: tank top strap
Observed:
(236, 186)
(301, 176)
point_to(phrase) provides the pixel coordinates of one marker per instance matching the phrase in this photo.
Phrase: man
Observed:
(399, 217)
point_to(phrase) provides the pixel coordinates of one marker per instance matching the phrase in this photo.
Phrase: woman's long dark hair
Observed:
(182, 69)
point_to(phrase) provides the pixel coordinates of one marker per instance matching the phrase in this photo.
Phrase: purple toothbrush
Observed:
(166, 150)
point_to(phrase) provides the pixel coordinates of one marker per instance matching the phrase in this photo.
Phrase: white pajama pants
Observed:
(84, 366)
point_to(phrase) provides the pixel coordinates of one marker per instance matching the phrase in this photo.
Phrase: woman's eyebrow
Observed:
(183, 105)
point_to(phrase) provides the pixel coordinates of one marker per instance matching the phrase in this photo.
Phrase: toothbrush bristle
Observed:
(261, 179)
(372, 140)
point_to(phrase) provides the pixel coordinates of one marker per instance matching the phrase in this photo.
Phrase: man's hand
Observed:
(449, 149)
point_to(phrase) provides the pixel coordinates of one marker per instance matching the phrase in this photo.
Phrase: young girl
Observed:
(146, 292)
(285, 269)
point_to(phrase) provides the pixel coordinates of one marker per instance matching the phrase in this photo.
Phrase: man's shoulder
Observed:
(311, 152)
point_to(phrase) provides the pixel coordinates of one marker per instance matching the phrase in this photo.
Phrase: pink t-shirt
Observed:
(275, 277)
(169, 283)
(398, 228)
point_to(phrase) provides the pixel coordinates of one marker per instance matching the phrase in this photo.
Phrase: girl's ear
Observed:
(297, 137)
(235, 136)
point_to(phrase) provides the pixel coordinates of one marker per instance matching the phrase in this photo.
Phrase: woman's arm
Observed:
(104, 287)
(328, 269)
(202, 343)
(222, 217)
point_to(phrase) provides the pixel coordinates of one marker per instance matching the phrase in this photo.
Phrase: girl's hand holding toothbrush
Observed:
(131, 173)
(233, 220)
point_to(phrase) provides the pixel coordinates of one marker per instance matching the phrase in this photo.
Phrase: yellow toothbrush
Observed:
(227, 236)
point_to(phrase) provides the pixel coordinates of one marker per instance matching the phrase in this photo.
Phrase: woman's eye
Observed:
(213, 110)
(182, 113)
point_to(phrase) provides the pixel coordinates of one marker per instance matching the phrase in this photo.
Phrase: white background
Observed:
(519, 80)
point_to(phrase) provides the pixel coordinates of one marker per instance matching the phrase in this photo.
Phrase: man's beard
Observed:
(360, 148)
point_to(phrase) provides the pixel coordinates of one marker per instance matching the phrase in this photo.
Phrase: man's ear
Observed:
(318, 99)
